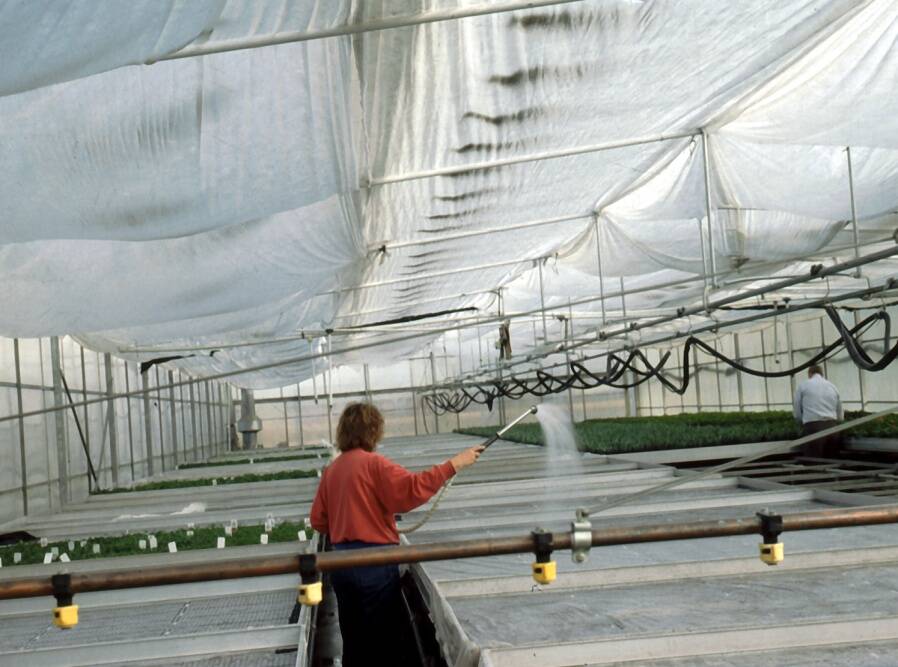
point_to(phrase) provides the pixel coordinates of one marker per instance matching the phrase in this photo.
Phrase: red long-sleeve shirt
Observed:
(361, 491)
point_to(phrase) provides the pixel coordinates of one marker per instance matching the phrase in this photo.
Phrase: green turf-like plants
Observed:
(254, 461)
(207, 481)
(32, 553)
(637, 434)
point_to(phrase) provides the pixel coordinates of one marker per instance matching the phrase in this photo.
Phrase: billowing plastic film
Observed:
(202, 203)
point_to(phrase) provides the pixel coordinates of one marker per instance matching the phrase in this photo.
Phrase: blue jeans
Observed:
(373, 621)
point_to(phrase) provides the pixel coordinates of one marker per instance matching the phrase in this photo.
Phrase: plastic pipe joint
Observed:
(544, 569)
(65, 614)
(310, 590)
(771, 549)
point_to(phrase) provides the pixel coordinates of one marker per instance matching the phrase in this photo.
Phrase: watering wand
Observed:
(530, 411)
(411, 529)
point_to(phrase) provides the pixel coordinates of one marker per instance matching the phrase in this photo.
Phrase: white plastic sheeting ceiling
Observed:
(237, 197)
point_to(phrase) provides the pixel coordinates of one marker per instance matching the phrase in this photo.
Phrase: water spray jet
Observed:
(530, 411)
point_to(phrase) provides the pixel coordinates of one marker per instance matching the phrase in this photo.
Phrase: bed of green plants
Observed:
(208, 481)
(237, 462)
(635, 434)
(129, 545)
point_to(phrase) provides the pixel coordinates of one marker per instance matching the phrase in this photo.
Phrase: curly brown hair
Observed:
(361, 425)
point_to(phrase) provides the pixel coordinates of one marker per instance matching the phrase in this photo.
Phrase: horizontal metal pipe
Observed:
(387, 246)
(191, 51)
(835, 268)
(532, 157)
(476, 548)
(306, 334)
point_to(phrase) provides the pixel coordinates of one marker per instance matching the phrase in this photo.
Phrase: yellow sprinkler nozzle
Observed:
(311, 594)
(65, 617)
(65, 614)
(310, 590)
(771, 549)
(772, 554)
(544, 573)
(544, 570)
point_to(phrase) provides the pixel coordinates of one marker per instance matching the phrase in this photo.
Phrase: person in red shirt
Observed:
(357, 498)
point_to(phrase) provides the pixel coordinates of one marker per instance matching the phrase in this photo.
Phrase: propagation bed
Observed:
(707, 602)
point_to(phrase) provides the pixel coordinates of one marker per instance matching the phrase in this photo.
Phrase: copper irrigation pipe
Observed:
(388, 555)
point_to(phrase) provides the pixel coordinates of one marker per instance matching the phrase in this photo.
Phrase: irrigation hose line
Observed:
(814, 275)
(476, 548)
(716, 326)
(546, 383)
(633, 326)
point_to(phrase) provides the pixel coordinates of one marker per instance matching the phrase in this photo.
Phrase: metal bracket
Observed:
(581, 536)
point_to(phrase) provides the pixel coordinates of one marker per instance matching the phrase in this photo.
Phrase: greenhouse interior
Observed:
(449, 333)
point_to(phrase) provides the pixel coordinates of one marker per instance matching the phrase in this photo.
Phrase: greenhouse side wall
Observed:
(44, 464)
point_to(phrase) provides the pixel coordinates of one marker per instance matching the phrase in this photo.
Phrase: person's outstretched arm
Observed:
(400, 490)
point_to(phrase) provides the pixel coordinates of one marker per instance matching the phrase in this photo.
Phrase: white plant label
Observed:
(17, 557)
(142, 544)
(48, 558)
(153, 543)
(221, 543)
(43, 541)
(172, 548)
(263, 538)
(189, 533)
(301, 536)
(71, 545)
(55, 551)
(96, 548)
(64, 558)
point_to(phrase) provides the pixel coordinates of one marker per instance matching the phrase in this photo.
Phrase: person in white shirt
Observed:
(817, 406)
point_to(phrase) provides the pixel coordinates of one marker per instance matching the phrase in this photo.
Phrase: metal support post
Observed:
(182, 411)
(860, 375)
(23, 459)
(286, 423)
(302, 441)
(698, 383)
(367, 382)
(86, 407)
(411, 383)
(209, 432)
(738, 375)
(110, 418)
(148, 426)
(130, 421)
(161, 420)
(542, 299)
(854, 231)
(790, 349)
(568, 334)
(433, 383)
(62, 449)
(709, 210)
(764, 368)
(174, 421)
(193, 427)
(599, 266)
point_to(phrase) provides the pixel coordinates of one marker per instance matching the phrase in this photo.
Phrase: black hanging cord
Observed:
(579, 377)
